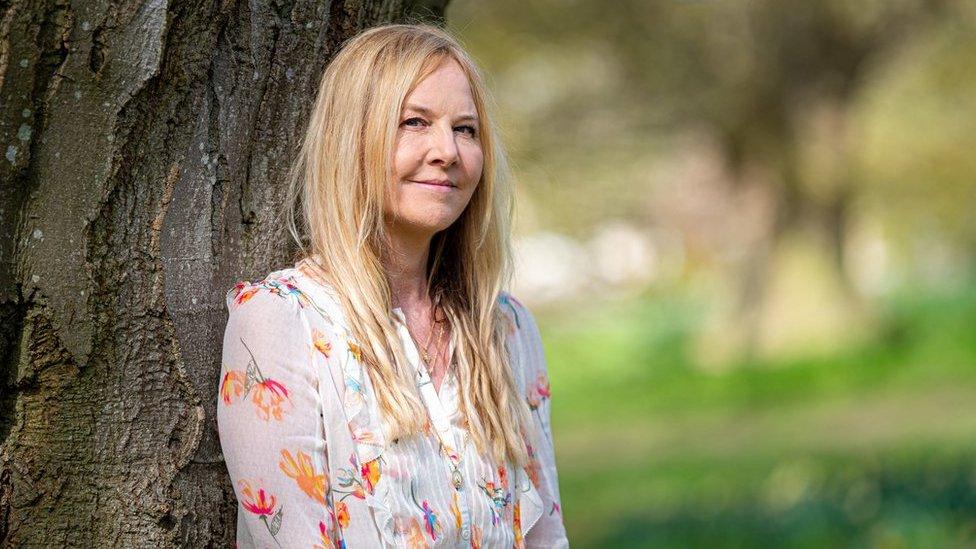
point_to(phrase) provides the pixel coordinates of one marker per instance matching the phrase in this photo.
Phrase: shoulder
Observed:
(285, 287)
(527, 343)
(520, 318)
(265, 318)
(276, 299)
(280, 284)
(288, 303)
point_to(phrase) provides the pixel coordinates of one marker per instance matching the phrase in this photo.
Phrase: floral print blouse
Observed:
(300, 431)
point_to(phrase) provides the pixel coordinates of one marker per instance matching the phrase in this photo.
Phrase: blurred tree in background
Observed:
(744, 126)
(749, 230)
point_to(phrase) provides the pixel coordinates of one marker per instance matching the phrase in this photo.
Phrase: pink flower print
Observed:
(243, 291)
(268, 397)
(542, 386)
(538, 392)
(262, 505)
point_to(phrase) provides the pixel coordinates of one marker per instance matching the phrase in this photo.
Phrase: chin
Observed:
(425, 225)
(434, 228)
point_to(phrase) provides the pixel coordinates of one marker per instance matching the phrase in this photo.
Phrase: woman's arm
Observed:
(268, 420)
(549, 531)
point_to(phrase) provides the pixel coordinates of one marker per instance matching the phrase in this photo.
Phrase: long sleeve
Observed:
(269, 423)
(549, 531)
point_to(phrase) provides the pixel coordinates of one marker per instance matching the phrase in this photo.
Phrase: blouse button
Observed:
(465, 532)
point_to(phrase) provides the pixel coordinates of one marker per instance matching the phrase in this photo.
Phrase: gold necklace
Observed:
(424, 350)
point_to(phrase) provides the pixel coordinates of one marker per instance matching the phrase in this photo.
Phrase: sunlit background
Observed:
(747, 230)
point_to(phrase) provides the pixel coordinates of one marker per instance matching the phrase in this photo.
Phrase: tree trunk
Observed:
(145, 152)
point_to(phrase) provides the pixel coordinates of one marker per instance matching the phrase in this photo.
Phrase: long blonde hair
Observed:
(340, 182)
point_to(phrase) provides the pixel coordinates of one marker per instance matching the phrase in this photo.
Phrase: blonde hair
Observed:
(342, 177)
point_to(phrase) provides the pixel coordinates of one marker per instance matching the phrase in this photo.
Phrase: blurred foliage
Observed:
(871, 447)
(774, 138)
(593, 87)
(915, 129)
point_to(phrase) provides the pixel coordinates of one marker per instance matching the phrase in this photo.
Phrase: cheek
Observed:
(405, 157)
(475, 163)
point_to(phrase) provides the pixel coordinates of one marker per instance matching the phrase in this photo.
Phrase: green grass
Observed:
(874, 446)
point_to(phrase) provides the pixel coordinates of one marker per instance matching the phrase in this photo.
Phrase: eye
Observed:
(409, 120)
(471, 129)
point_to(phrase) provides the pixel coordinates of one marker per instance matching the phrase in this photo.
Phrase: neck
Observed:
(406, 267)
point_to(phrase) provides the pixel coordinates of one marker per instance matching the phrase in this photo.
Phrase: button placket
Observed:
(442, 425)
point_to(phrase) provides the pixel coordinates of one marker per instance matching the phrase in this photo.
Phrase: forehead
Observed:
(446, 88)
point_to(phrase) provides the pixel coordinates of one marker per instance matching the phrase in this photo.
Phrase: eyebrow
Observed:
(426, 112)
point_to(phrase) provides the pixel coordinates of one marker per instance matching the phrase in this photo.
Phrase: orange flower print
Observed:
(342, 514)
(533, 469)
(268, 397)
(356, 351)
(243, 291)
(371, 474)
(316, 485)
(414, 535)
(503, 476)
(262, 505)
(325, 538)
(323, 345)
(476, 534)
(456, 510)
(281, 286)
(357, 479)
(364, 436)
(232, 386)
(517, 525)
(346, 478)
(498, 498)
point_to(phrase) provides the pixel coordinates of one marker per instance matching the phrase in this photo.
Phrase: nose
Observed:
(443, 147)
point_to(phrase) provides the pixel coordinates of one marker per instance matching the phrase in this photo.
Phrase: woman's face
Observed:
(438, 142)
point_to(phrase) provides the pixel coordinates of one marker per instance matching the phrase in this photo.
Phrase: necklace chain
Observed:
(453, 457)
(424, 350)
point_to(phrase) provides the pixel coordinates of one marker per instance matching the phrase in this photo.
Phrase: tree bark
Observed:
(145, 151)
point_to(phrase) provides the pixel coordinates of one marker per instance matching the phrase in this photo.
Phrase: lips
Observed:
(436, 182)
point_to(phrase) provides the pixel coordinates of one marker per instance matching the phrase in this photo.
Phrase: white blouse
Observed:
(300, 431)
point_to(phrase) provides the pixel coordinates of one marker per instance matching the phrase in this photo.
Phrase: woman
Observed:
(385, 390)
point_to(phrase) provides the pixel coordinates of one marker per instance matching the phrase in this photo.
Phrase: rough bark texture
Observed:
(144, 151)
